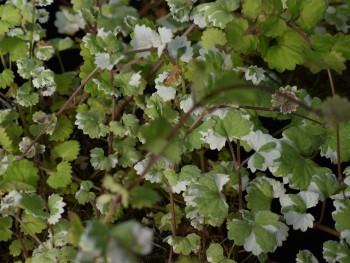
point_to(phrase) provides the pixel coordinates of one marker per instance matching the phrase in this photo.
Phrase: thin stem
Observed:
(60, 62)
(331, 81)
(327, 229)
(239, 174)
(111, 135)
(3, 60)
(233, 156)
(128, 64)
(323, 209)
(59, 112)
(132, 52)
(111, 211)
(170, 259)
(172, 210)
(301, 33)
(30, 231)
(32, 32)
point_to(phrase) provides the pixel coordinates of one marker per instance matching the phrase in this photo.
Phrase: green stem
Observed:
(3, 60)
(60, 62)
(31, 47)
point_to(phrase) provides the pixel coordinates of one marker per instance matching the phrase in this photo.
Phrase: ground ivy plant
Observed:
(190, 132)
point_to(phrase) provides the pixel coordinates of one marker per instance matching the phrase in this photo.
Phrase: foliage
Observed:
(188, 129)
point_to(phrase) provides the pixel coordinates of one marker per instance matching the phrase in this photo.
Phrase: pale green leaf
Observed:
(92, 123)
(25, 96)
(212, 37)
(34, 205)
(16, 248)
(220, 12)
(341, 217)
(83, 195)
(324, 184)
(15, 46)
(62, 177)
(185, 245)
(180, 9)
(67, 150)
(35, 224)
(305, 256)
(142, 196)
(334, 251)
(100, 162)
(10, 17)
(6, 78)
(55, 205)
(312, 11)
(63, 129)
(5, 228)
(5, 141)
(22, 171)
(274, 26)
(61, 44)
(127, 152)
(205, 195)
(287, 53)
(130, 83)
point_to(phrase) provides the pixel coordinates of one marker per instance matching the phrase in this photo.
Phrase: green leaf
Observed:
(251, 8)
(334, 251)
(63, 129)
(67, 150)
(127, 151)
(5, 228)
(16, 246)
(100, 162)
(10, 17)
(274, 26)
(205, 195)
(237, 38)
(142, 196)
(300, 171)
(62, 177)
(261, 191)
(76, 228)
(233, 125)
(180, 9)
(6, 78)
(35, 224)
(180, 181)
(83, 195)
(305, 256)
(324, 184)
(5, 141)
(287, 53)
(261, 235)
(329, 146)
(33, 205)
(22, 171)
(26, 97)
(61, 44)
(55, 205)
(185, 245)
(130, 83)
(212, 37)
(220, 13)
(312, 11)
(336, 110)
(15, 46)
(341, 217)
(92, 123)
(215, 254)
(79, 4)
(95, 237)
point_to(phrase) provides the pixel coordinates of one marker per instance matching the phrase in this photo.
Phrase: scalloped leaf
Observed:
(130, 83)
(205, 195)
(83, 195)
(220, 12)
(341, 217)
(62, 177)
(180, 9)
(34, 205)
(55, 205)
(305, 256)
(63, 129)
(312, 11)
(6, 78)
(5, 141)
(143, 196)
(16, 247)
(10, 17)
(259, 234)
(35, 224)
(5, 228)
(185, 245)
(334, 251)
(287, 53)
(67, 150)
(100, 162)
(92, 123)
(22, 171)
(212, 37)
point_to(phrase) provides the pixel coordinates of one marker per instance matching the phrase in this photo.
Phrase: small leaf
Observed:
(63, 129)
(312, 11)
(92, 123)
(22, 171)
(185, 245)
(35, 224)
(100, 162)
(212, 37)
(336, 110)
(10, 17)
(55, 205)
(33, 205)
(83, 195)
(341, 217)
(180, 9)
(220, 13)
(76, 228)
(142, 196)
(62, 177)
(6, 78)
(67, 150)
(5, 228)
(16, 248)
(305, 256)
